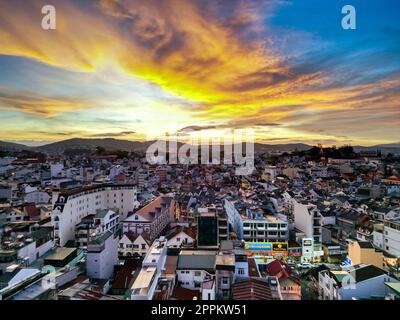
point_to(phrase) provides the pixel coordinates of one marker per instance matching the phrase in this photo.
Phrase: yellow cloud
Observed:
(185, 51)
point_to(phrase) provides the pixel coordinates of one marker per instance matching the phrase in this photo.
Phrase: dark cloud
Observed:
(196, 128)
(113, 134)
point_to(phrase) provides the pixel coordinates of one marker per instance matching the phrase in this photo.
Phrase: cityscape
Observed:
(199, 151)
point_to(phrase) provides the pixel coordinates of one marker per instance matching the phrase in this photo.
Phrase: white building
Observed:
(356, 282)
(181, 236)
(132, 244)
(152, 218)
(153, 265)
(318, 172)
(70, 207)
(106, 220)
(195, 267)
(391, 237)
(102, 256)
(308, 219)
(252, 226)
(37, 197)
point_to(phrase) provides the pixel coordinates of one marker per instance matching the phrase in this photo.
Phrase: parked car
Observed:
(304, 265)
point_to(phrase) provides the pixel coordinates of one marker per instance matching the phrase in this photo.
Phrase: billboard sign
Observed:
(258, 246)
(348, 261)
(270, 248)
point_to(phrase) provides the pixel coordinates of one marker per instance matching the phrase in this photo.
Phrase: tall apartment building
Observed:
(141, 179)
(308, 219)
(102, 256)
(153, 264)
(387, 236)
(391, 236)
(212, 228)
(224, 274)
(70, 207)
(251, 225)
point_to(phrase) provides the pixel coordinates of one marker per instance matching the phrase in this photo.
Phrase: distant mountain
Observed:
(10, 146)
(390, 145)
(261, 147)
(115, 144)
(111, 144)
(384, 148)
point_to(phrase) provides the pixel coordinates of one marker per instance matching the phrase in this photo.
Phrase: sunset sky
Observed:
(131, 69)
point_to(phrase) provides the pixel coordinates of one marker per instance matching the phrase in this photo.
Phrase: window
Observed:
(224, 280)
(197, 273)
(241, 271)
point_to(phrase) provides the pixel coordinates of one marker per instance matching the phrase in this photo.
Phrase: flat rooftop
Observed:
(61, 253)
(225, 260)
(143, 281)
(265, 218)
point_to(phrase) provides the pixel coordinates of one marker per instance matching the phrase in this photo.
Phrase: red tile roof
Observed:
(133, 236)
(252, 289)
(191, 232)
(124, 277)
(281, 270)
(180, 293)
(154, 208)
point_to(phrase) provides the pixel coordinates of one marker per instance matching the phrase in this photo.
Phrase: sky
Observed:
(135, 69)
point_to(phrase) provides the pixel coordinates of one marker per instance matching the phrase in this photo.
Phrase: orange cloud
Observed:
(183, 48)
(39, 105)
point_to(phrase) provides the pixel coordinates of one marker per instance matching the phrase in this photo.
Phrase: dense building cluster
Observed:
(101, 227)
